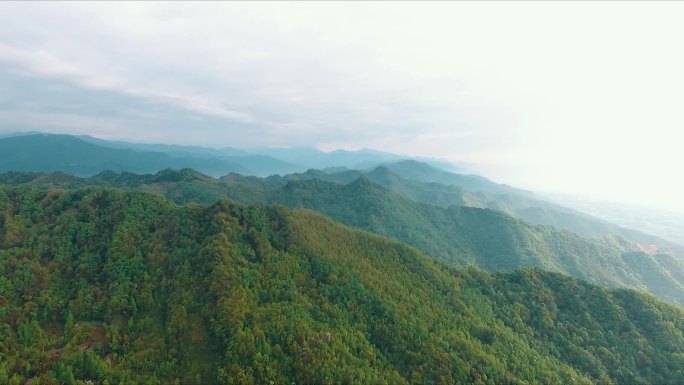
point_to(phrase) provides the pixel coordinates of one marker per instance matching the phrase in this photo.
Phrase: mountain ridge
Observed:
(72, 155)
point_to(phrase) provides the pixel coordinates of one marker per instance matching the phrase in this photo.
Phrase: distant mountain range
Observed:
(44, 152)
(422, 183)
(76, 155)
(85, 156)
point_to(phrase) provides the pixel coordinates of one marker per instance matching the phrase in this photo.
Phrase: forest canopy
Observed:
(122, 287)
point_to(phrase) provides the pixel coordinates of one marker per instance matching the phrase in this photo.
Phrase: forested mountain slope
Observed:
(458, 235)
(486, 238)
(126, 287)
(422, 183)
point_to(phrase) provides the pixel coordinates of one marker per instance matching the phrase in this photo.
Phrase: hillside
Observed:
(423, 172)
(113, 287)
(485, 238)
(422, 183)
(404, 179)
(457, 235)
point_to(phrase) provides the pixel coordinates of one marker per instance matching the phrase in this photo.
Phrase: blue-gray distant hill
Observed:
(257, 164)
(49, 152)
(265, 161)
(359, 160)
(85, 155)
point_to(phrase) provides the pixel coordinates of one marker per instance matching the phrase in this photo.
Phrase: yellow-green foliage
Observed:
(125, 287)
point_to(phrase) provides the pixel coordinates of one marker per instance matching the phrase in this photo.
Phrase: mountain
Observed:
(106, 286)
(411, 179)
(485, 238)
(19, 133)
(360, 159)
(263, 162)
(47, 152)
(457, 235)
(310, 157)
(475, 191)
(172, 149)
(517, 203)
(257, 164)
(423, 172)
(429, 181)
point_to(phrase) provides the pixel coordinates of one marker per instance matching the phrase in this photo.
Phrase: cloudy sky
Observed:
(580, 97)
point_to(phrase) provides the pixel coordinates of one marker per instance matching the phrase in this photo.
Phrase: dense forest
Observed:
(458, 235)
(121, 287)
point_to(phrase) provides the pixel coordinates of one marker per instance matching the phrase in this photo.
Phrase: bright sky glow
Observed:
(575, 97)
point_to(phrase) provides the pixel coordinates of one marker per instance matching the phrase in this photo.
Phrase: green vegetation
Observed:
(458, 235)
(420, 182)
(122, 287)
(417, 181)
(486, 238)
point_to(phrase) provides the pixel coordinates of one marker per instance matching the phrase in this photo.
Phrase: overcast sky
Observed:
(580, 97)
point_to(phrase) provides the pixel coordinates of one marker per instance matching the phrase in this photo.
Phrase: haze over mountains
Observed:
(434, 182)
(76, 154)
